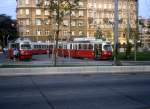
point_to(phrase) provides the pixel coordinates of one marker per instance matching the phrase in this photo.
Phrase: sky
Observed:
(8, 7)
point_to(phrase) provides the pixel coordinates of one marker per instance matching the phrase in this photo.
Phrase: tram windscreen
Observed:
(25, 46)
(107, 47)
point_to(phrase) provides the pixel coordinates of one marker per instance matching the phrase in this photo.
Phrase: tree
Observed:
(98, 34)
(130, 36)
(57, 10)
(7, 29)
(109, 36)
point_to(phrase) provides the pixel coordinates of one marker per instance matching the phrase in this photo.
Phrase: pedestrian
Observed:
(5, 51)
(15, 54)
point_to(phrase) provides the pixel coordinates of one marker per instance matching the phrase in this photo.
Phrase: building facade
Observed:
(34, 21)
(144, 29)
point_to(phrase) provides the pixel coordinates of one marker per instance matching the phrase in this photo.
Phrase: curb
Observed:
(74, 70)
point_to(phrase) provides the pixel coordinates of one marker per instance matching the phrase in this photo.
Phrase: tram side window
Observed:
(50, 46)
(100, 47)
(84, 46)
(60, 46)
(65, 46)
(13, 45)
(80, 46)
(75, 46)
(70, 46)
(25, 46)
(90, 46)
(36, 46)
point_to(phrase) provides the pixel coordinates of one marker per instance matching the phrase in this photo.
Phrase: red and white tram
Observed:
(23, 45)
(40, 48)
(85, 48)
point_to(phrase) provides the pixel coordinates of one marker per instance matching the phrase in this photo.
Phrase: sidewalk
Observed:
(135, 63)
(83, 70)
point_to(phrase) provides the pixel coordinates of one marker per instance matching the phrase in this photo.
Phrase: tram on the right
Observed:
(86, 48)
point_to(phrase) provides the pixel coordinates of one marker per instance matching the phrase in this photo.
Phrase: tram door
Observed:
(97, 51)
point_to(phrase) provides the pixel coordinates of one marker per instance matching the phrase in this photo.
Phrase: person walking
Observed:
(15, 54)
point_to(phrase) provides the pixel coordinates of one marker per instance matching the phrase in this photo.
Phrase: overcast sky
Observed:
(9, 7)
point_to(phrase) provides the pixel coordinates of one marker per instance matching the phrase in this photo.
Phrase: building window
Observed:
(81, 13)
(81, 4)
(20, 2)
(21, 22)
(38, 21)
(21, 12)
(27, 2)
(27, 32)
(80, 23)
(46, 3)
(37, 2)
(73, 33)
(105, 6)
(65, 33)
(47, 21)
(46, 32)
(46, 12)
(38, 32)
(27, 11)
(27, 22)
(100, 6)
(73, 23)
(73, 13)
(65, 22)
(38, 11)
(80, 33)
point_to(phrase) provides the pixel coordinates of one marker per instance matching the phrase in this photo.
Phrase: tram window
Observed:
(100, 46)
(60, 46)
(107, 47)
(39, 46)
(25, 46)
(70, 46)
(85, 46)
(95, 46)
(65, 46)
(80, 47)
(50, 46)
(13, 46)
(75, 46)
(90, 46)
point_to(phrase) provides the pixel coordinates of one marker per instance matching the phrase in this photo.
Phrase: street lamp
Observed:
(116, 32)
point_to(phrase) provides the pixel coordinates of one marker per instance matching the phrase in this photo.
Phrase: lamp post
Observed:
(115, 32)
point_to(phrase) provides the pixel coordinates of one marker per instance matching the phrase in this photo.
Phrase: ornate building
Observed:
(90, 15)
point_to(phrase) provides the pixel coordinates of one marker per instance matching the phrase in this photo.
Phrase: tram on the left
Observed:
(23, 45)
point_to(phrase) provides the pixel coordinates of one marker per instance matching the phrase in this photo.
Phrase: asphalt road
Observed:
(109, 91)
